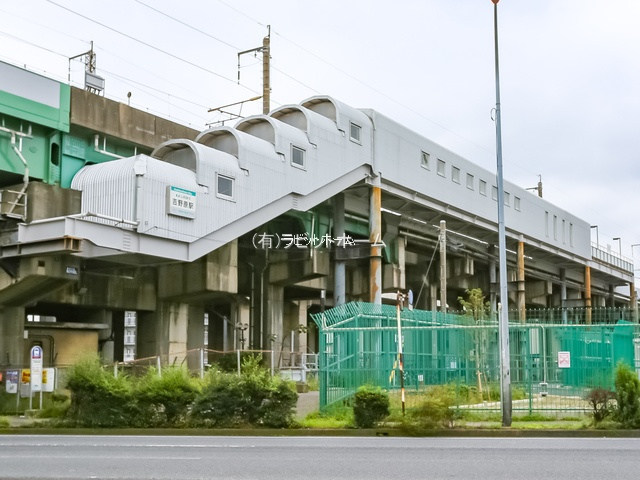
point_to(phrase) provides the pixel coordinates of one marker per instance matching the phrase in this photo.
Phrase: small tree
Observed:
(602, 402)
(476, 307)
(370, 406)
(627, 396)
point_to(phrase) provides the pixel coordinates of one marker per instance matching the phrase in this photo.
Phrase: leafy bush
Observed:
(98, 399)
(165, 400)
(57, 406)
(602, 402)
(627, 396)
(370, 406)
(253, 398)
(437, 409)
(221, 402)
(4, 422)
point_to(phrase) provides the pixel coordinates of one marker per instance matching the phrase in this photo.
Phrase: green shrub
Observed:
(165, 400)
(437, 408)
(57, 406)
(4, 422)
(627, 396)
(277, 409)
(98, 399)
(602, 403)
(370, 406)
(252, 398)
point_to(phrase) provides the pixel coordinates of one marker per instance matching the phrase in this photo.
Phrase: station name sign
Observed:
(181, 202)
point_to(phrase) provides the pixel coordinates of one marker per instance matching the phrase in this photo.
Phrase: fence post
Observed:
(201, 363)
(273, 359)
(238, 361)
(115, 370)
(159, 365)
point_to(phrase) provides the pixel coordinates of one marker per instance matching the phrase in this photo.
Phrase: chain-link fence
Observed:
(553, 365)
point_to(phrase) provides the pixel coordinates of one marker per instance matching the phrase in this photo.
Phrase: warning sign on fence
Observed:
(564, 359)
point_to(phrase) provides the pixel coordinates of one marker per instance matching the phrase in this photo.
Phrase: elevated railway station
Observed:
(132, 236)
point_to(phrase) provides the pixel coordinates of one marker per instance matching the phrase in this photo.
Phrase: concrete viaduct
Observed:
(126, 234)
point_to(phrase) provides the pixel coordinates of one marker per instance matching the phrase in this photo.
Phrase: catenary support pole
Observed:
(443, 267)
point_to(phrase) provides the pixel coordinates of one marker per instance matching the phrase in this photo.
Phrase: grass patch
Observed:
(337, 417)
(4, 422)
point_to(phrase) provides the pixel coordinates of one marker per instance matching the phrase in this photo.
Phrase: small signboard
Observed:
(564, 359)
(181, 202)
(36, 368)
(11, 381)
(48, 379)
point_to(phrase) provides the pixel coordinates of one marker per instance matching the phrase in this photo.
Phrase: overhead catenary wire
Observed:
(142, 42)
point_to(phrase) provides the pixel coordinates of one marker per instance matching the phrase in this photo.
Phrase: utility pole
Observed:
(505, 359)
(443, 266)
(265, 49)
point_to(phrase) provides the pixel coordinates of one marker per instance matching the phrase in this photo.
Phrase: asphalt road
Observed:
(352, 458)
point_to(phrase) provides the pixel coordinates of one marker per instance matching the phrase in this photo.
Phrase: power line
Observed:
(186, 24)
(200, 67)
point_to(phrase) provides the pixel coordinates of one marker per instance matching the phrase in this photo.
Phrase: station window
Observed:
(297, 156)
(455, 174)
(546, 223)
(424, 161)
(571, 234)
(494, 192)
(355, 133)
(516, 203)
(470, 185)
(555, 227)
(482, 187)
(224, 187)
(507, 199)
(441, 168)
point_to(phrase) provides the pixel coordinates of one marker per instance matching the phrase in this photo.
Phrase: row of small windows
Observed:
(441, 169)
(563, 228)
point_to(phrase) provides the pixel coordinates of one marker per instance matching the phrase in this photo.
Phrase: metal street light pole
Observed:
(505, 359)
(619, 245)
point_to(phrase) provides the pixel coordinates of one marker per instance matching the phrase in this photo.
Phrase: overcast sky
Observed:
(570, 75)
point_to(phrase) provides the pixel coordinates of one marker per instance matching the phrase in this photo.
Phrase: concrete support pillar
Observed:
(12, 336)
(493, 281)
(402, 262)
(375, 237)
(443, 266)
(521, 286)
(587, 294)
(105, 337)
(563, 294)
(633, 300)
(339, 286)
(274, 318)
(170, 331)
(612, 298)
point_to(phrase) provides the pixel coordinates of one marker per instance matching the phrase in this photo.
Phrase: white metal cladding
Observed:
(203, 161)
(281, 135)
(243, 146)
(399, 154)
(108, 188)
(316, 126)
(256, 156)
